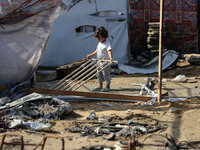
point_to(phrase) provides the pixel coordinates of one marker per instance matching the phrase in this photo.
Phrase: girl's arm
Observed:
(110, 55)
(90, 55)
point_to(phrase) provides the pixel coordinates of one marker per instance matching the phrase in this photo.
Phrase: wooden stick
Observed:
(93, 75)
(114, 61)
(81, 75)
(89, 74)
(73, 76)
(64, 81)
(69, 75)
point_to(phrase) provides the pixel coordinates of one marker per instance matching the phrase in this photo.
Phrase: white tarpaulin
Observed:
(168, 58)
(22, 45)
(72, 33)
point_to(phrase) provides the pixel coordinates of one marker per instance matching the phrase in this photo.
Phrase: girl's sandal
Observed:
(96, 89)
(106, 89)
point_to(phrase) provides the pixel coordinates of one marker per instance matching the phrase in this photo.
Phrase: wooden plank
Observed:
(91, 94)
(87, 94)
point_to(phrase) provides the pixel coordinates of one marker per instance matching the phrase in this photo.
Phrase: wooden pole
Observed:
(160, 51)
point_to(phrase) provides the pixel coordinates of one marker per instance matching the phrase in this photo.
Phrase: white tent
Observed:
(72, 33)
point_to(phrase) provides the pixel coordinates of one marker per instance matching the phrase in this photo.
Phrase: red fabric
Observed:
(21, 9)
(180, 19)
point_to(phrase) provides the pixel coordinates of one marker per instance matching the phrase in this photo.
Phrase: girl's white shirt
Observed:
(102, 50)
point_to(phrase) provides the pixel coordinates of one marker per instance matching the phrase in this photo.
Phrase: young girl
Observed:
(104, 52)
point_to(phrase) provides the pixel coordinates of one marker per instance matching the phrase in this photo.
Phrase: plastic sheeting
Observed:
(67, 45)
(168, 58)
(22, 45)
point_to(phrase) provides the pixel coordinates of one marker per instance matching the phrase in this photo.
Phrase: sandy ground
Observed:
(179, 120)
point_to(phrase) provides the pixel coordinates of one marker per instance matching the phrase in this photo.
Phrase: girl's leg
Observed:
(100, 86)
(100, 80)
(106, 74)
(108, 85)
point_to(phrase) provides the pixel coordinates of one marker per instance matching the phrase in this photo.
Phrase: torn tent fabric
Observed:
(25, 27)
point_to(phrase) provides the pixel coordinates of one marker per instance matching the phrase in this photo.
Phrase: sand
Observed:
(179, 120)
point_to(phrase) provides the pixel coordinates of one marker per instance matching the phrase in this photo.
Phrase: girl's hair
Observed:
(101, 31)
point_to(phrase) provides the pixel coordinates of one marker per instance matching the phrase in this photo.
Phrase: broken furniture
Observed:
(82, 74)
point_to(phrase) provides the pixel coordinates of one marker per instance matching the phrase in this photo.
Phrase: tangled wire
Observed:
(172, 144)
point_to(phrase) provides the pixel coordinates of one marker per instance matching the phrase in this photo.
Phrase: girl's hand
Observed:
(88, 56)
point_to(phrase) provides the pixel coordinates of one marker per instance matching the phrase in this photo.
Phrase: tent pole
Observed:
(160, 51)
(128, 19)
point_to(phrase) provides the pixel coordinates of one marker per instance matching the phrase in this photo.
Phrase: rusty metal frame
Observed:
(50, 136)
(42, 143)
(11, 134)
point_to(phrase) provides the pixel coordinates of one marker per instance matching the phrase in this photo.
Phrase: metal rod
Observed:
(69, 75)
(50, 136)
(10, 134)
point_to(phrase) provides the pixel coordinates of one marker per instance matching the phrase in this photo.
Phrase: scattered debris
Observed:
(92, 115)
(99, 147)
(40, 126)
(129, 111)
(179, 78)
(149, 103)
(104, 119)
(51, 109)
(147, 89)
(168, 142)
(173, 110)
(105, 104)
(18, 123)
(192, 58)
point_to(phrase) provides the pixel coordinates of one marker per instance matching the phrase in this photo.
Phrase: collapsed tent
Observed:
(25, 27)
(169, 57)
(72, 33)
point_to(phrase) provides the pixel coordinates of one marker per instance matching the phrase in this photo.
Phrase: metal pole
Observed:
(160, 51)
